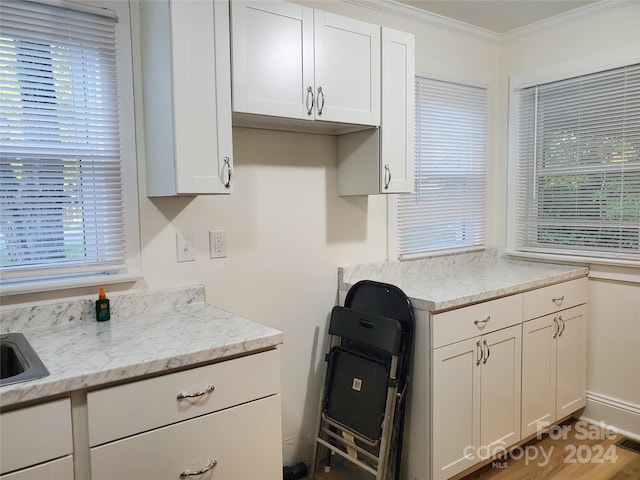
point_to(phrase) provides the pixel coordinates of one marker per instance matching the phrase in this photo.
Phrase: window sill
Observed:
(18, 288)
(599, 268)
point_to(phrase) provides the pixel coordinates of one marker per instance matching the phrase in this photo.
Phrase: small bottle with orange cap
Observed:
(103, 311)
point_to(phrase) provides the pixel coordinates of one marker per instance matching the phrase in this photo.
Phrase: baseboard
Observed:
(617, 414)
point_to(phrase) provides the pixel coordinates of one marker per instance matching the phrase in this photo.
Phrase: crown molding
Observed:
(439, 21)
(432, 19)
(587, 10)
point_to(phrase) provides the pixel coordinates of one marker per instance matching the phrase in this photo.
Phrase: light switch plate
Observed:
(185, 247)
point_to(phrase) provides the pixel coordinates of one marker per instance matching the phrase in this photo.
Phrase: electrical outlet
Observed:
(218, 243)
(185, 247)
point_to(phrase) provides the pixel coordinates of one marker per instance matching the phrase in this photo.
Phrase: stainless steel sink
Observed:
(18, 361)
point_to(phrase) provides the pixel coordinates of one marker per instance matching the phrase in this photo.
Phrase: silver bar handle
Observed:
(557, 330)
(212, 463)
(306, 101)
(320, 100)
(208, 389)
(387, 176)
(480, 352)
(558, 300)
(227, 164)
(486, 357)
(562, 324)
(482, 321)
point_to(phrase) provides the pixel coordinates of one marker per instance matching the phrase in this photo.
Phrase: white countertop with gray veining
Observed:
(146, 335)
(446, 282)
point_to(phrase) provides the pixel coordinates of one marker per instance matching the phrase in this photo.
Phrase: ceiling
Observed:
(499, 16)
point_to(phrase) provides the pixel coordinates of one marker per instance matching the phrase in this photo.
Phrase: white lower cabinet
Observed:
(239, 443)
(223, 420)
(476, 400)
(553, 368)
(490, 375)
(37, 435)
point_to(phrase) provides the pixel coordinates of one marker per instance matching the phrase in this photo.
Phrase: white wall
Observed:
(590, 42)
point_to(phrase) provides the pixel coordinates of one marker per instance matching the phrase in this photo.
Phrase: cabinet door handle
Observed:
(482, 321)
(212, 463)
(227, 164)
(486, 357)
(387, 176)
(558, 300)
(480, 352)
(562, 325)
(306, 101)
(208, 389)
(557, 330)
(320, 100)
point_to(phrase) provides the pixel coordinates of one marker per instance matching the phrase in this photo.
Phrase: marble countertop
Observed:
(443, 283)
(87, 353)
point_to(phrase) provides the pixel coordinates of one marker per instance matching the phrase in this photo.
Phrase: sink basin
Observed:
(18, 361)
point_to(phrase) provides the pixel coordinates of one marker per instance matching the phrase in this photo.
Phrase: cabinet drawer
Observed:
(467, 322)
(61, 469)
(554, 298)
(35, 434)
(245, 441)
(135, 407)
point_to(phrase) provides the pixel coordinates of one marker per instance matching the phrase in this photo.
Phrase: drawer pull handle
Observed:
(482, 321)
(187, 473)
(480, 352)
(562, 325)
(557, 329)
(486, 357)
(558, 300)
(209, 389)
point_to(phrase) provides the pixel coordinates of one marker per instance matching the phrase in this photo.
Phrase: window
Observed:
(578, 166)
(448, 208)
(65, 205)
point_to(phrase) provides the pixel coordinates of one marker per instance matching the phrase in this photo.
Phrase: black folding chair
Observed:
(366, 382)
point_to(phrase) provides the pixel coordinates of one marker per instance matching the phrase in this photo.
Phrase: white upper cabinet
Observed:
(295, 62)
(382, 160)
(187, 97)
(398, 106)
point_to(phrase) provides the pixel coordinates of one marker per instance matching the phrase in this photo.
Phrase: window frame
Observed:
(516, 83)
(40, 281)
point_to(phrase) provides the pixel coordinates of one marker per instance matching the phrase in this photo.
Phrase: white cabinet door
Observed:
(187, 97)
(554, 354)
(347, 69)
(239, 443)
(272, 58)
(538, 374)
(476, 400)
(500, 389)
(571, 361)
(397, 125)
(456, 407)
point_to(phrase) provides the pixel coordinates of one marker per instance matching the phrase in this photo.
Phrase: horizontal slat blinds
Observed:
(447, 210)
(61, 185)
(579, 165)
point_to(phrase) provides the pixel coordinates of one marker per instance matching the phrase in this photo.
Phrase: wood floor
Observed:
(578, 451)
(584, 452)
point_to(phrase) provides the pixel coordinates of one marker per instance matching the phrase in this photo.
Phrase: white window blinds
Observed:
(448, 208)
(61, 185)
(578, 164)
